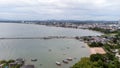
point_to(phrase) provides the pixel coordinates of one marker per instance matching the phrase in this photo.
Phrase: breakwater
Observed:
(48, 37)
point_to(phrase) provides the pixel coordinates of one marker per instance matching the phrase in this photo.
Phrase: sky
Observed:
(59, 9)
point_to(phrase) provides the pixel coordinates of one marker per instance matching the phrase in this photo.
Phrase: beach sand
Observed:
(96, 50)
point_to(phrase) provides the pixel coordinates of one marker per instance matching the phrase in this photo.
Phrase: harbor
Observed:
(42, 46)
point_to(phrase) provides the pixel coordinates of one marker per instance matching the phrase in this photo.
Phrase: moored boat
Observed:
(33, 59)
(58, 63)
(69, 59)
(65, 61)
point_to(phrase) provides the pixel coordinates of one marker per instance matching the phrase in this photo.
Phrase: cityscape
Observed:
(59, 34)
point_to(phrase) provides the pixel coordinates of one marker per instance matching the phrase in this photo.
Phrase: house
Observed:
(11, 65)
(20, 61)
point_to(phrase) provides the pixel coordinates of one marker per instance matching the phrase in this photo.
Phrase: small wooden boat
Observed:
(69, 59)
(33, 59)
(58, 63)
(65, 61)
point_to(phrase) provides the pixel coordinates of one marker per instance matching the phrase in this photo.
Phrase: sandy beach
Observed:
(96, 50)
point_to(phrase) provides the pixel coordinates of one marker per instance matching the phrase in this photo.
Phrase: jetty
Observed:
(48, 37)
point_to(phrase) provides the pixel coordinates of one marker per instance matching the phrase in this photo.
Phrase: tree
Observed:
(3, 61)
(10, 61)
(84, 63)
(96, 57)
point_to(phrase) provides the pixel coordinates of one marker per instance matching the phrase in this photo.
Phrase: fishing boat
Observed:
(58, 63)
(33, 59)
(65, 61)
(69, 59)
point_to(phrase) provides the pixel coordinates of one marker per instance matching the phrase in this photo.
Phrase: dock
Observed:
(48, 37)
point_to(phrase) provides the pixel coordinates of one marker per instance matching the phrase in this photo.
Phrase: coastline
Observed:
(95, 50)
(54, 37)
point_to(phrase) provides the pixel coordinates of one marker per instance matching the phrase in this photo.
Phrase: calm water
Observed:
(39, 48)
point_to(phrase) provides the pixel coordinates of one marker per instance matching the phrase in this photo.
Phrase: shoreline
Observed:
(94, 50)
(52, 37)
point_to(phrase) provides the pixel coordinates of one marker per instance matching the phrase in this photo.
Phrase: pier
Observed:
(49, 37)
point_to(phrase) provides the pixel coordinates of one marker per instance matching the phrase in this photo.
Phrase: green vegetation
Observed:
(98, 61)
(96, 44)
(6, 64)
(106, 31)
(100, 29)
(108, 60)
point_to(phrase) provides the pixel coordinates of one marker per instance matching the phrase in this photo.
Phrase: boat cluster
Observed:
(66, 61)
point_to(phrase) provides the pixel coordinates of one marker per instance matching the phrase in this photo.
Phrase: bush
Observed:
(96, 57)
(96, 44)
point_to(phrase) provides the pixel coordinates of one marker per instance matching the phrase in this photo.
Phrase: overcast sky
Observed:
(60, 9)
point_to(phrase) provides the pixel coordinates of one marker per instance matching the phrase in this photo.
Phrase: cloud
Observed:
(60, 9)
